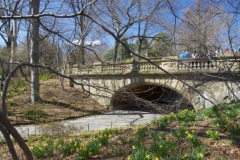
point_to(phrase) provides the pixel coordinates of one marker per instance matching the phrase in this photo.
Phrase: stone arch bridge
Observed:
(203, 83)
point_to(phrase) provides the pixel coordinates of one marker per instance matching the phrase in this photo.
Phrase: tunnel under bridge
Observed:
(139, 90)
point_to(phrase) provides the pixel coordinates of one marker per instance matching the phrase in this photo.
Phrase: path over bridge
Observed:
(201, 82)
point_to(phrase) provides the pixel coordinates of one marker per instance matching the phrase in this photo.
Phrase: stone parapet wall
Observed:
(214, 65)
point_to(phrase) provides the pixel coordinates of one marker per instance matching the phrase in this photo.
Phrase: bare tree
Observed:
(11, 27)
(135, 21)
(83, 26)
(201, 27)
(147, 28)
(119, 18)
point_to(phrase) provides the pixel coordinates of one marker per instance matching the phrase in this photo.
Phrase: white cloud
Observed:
(87, 43)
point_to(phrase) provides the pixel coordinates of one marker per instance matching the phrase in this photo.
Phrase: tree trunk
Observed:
(13, 41)
(13, 44)
(28, 50)
(82, 51)
(9, 142)
(115, 56)
(62, 71)
(139, 50)
(34, 54)
(17, 137)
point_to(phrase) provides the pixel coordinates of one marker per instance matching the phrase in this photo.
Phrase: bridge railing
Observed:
(171, 65)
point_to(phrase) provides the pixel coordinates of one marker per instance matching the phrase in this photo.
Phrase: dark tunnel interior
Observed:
(151, 98)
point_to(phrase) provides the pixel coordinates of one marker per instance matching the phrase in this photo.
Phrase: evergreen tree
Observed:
(108, 56)
(123, 52)
(161, 46)
(142, 47)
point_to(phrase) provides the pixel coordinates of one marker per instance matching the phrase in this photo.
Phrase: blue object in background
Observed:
(186, 54)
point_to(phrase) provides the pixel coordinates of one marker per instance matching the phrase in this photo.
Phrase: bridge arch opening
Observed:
(151, 98)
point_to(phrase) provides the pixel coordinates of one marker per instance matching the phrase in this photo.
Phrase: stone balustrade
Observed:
(215, 64)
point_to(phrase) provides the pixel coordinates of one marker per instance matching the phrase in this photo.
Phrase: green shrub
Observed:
(109, 131)
(154, 121)
(103, 139)
(236, 106)
(192, 138)
(18, 84)
(35, 114)
(213, 134)
(94, 147)
(42, 150)
(180, 132)
(140, 153)
(17, 88)
(207, 113)
(69, 146)
(196, 153)
(172, 117)
(155, 135)
(162, 148)
(185, 116)
(163, 122)
(86, 135)
(117, 152)
(231, 112)
(234, 128)
(44, 77)
(12, 104)
(83, 152)
(218, 123)
(141, 132)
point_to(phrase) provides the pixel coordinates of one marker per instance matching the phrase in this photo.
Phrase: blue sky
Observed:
(54, 4)
(183, 4)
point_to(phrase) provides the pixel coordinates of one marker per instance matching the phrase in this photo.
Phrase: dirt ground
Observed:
(71, 103)
(58, 104)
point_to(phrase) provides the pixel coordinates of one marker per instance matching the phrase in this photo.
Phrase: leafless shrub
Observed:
(57, 128)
